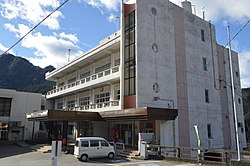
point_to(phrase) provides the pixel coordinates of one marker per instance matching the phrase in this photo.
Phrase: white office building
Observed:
(163, 72)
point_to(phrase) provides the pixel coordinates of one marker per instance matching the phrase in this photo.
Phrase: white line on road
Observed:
(133, 163)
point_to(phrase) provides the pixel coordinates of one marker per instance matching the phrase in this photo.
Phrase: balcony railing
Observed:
(85, 80)
(108, 104)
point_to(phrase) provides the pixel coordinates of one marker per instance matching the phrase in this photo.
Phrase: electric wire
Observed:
(35, 27)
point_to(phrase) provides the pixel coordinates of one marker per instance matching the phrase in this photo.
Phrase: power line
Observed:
(35, 27)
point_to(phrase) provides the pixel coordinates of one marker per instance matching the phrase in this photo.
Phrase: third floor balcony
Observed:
(97, 79)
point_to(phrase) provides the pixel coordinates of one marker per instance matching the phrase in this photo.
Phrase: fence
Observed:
(199, 155)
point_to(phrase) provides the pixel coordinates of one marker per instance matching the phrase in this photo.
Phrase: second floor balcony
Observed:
(97, 107)
(93, 80)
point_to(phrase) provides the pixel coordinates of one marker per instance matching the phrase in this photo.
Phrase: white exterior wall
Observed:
(239, 106)
(200, 112)
(157, 67)
(154, 67)
(22, 102)
(160, 67)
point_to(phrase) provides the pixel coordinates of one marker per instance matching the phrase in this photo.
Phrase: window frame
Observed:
(209, 131)
(207, 96)
(203, 35)
(129, 56)
(93, 143)
(204, 62)
(5, 106)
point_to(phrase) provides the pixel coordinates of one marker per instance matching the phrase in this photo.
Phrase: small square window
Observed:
(202, 35)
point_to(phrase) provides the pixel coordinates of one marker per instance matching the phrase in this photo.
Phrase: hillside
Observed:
(19, 74)
(246, 107)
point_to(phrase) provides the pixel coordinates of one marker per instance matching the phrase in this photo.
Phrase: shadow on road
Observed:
(8, 150)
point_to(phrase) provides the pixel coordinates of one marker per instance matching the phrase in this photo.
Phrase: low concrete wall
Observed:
(239, 163)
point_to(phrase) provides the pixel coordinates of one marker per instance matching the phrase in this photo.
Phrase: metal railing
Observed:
(85, 80)
(109, 104)
(200, 155)
(119, 147)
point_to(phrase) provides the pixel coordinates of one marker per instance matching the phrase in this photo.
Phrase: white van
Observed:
(93, 147)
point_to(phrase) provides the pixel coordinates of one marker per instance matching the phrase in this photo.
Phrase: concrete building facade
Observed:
(163, 72)
(14, 105)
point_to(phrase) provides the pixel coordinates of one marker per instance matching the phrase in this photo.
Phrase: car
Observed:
(93, 147)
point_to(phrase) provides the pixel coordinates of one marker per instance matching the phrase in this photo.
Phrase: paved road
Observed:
(12, 155)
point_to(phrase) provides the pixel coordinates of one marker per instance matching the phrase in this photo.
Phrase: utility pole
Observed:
(69, 55)
(233, 96)
(117, 22)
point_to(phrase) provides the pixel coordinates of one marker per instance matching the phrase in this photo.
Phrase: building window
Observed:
(102, 68)
(61, 84)
(204, 63)
(5, 106)
(202, 35)
(84, 101)
(148, 127)
(239, 100)
(209, 132)
(129, 55)
(237, 74)
(71, 103)
(102, 97)
(117, 94)
(117, 62)
(206, 96)
(60, 105)
(84, 75)
(72, 80)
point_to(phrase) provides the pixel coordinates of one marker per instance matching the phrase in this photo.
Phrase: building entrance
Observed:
(123, 132)
(3, 131)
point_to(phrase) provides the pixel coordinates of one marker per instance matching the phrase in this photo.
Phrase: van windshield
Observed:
(77, 143)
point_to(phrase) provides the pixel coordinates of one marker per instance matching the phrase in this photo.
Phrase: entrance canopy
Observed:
(59, 115)
(146, 113)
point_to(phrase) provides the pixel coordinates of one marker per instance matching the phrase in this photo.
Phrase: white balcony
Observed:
(95, 79)
(109, 105)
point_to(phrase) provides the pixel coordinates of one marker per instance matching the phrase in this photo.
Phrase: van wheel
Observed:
(84, 157)
(111, 155)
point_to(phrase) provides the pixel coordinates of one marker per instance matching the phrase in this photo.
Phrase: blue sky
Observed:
(80, 25)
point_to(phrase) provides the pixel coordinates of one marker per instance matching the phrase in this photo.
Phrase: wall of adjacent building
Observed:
(22, 102)
(226, 98)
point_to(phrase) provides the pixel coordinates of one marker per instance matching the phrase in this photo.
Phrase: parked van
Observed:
(93, 147)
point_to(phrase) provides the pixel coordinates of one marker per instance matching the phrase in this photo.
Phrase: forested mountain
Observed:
(19, 74)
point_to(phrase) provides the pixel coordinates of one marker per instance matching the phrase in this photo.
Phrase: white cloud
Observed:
(100, 4)
(112, 18)
(110, 4)
(244, 62)
(215, 10)
(71, 37)
(3, 49)
(32, 11)
(49, 50)
(129, 1)
(20, 31)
